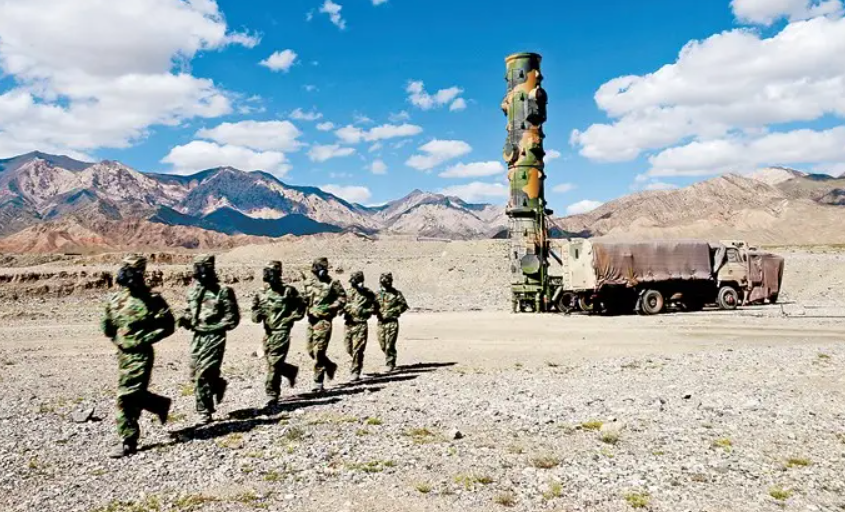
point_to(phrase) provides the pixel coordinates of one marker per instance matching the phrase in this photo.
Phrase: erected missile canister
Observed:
(525, 107)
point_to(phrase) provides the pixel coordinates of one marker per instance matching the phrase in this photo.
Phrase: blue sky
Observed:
(736, 102)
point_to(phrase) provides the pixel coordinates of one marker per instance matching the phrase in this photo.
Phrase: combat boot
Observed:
(220, 392)
(125, 449)
(318, 387)
(331, 370)
(294, 371)
(355, 377)
(272, 401)
(205, 418)
(164, 411)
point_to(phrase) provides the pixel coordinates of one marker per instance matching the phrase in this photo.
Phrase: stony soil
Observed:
(699, 412)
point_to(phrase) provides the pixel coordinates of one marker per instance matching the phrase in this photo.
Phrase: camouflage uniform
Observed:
(326, 298)
(277, 309)
(359, 308)
(391, 305)
(135, 319)
(212, 311)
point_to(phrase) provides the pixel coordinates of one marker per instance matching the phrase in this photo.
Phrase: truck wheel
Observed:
(585, 303)
(566, 302)
(652, 302)
(728, 298)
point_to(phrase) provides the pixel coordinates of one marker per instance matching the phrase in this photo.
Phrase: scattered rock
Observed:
(83, 415)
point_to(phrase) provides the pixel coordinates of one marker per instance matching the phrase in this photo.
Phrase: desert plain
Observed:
(710, 411)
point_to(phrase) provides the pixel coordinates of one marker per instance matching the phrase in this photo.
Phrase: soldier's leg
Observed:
(272, 382)
(391, 335)
(156, 404)
(322, 334)
(359, 344)
(382, 338)
(128, 413)
(347, 338)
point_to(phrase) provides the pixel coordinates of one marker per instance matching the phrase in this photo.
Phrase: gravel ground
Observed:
(698, 412)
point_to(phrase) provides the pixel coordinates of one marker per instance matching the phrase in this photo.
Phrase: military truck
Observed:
(649, 277)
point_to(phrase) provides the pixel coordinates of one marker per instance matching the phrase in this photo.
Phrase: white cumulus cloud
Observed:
(200, 155)
(352, 194)
(262, 135)
(378, 167)
(100, 74)
(300, 115)
(563, 188)
(552, 154)
(660, 185)
(474, 170)
(420, 98)
(379, 2)
(438, 152)
(280, 61)
(766, 12)
(351, 134)
(332, 10)
(584, 206)
(477, 191)
(322, 153)
(325, 127)
(731, 85)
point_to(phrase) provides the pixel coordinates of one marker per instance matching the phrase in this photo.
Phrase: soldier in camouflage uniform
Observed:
(135, 318)
(391, 305)
(212, 312)
(326, 298)
(277, 307)
(359, 308)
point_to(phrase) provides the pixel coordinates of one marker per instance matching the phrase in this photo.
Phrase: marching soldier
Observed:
(135, 319)
(277, 307)
(359, 308)
(326, 299)
(391, 305)
(212, 312)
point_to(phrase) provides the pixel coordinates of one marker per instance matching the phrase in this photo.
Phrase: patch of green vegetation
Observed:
(294, 434)
(550, 364)
(373, 466)
(187, 389)
(422, 435)
(272, 476)
(469, 480)
(779, 493)
(361, 432)
(724, 443)
(423, 487)
(658, 453)
(544, 461)
(518, 366)
(176, 417)
(254, 454)
(332, 419)
(555, 490)
(824, 357)
(99, 472)
(149, 504)
(516, 449)
(234, 441)
(374, 422)
(250, 498)
(638, 499)
(505, 499)
(797, 462)
(191, 502)
(592, 425)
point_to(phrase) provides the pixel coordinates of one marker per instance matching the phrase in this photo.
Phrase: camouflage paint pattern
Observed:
(134, 323)
(277, 311)
(525, 108)
(325, 300)
(391, 305)
(360, 306)
(212, 311)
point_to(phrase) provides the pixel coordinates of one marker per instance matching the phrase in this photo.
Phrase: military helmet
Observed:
(387, 275)
(135, 262)
(320, 264)
(273, 265)
(205, 260)
(356, 277)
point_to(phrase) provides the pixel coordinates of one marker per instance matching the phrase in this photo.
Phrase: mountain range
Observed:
(67, 205)
(769, 206)
(53, 203)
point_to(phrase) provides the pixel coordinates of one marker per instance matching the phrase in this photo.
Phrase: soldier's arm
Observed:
(161, 322)
(403, 304)
(232, 315)
(107, 323)
(298, 306)
(257, 309)
(340, 298)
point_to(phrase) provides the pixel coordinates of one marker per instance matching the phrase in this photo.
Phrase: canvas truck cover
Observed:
(766, 275)
(631, 263)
